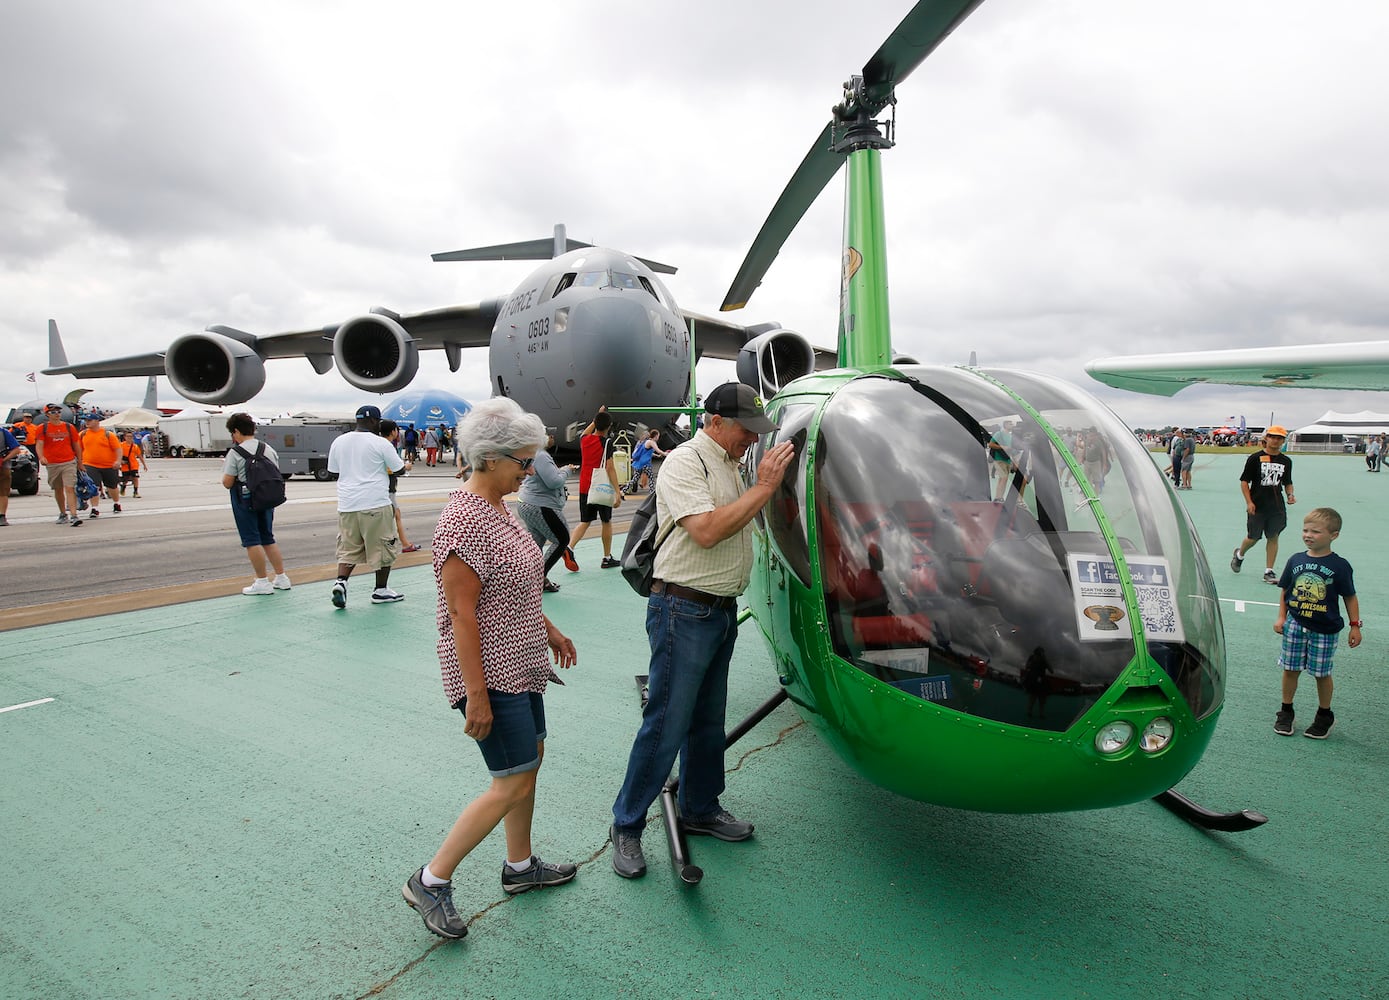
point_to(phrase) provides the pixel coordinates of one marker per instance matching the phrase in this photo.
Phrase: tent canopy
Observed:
(1332, 423)
(430, 407)
(132, 419)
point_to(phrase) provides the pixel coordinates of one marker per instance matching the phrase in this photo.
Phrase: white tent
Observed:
(135, 418)
(1334, 431)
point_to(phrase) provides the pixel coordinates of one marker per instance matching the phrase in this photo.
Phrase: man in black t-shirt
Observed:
(1267, 477)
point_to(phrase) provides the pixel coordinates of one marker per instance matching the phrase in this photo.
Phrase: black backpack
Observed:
(644, 537)
(263, 480)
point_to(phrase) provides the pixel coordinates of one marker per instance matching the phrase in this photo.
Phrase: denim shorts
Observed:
(256, 527)
(518, 727)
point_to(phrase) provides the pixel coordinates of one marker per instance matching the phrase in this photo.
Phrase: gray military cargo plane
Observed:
(591, 326)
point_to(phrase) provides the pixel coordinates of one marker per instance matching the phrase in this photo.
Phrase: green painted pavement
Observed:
(225, 797)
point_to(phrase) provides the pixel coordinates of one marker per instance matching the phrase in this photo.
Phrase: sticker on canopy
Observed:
(1099, 598)
(914, 660)
(935, 689)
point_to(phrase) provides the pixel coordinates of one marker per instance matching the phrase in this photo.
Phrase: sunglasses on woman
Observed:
(525, 463)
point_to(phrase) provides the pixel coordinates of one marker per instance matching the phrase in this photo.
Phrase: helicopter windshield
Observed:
(961, 563)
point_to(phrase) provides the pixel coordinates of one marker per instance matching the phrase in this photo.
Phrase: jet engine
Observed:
(374, 353)
(212, 368)
(774, 359)
(904, 359)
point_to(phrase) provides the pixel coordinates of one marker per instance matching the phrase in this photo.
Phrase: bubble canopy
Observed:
(995, 543)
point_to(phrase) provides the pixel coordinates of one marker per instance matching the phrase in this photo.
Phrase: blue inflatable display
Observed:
(426, 407)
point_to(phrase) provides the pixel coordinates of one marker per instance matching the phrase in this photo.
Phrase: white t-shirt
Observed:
(363, 462)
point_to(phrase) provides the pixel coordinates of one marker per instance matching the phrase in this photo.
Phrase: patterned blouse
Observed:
(505, 558)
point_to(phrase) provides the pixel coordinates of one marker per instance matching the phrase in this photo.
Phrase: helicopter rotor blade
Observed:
(928, 24)
(816, 170)
(921, 31)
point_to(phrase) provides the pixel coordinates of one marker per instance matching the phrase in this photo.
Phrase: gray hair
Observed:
(498, 427)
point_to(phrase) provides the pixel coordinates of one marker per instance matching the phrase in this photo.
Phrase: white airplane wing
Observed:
(1363, 365)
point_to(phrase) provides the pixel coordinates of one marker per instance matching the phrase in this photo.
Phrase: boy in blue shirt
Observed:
(1309, 618)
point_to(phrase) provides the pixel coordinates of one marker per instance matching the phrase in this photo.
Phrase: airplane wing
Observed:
(723, 339)
(450, 328)
(1363, 365)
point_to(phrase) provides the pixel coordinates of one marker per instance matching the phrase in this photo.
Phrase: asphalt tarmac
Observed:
(177, 541)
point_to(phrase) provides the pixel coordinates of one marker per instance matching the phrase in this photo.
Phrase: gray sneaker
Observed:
(435, 905)
(340, 594)
(537, 876)
(722, 825)
(628, 860)
(62, 519)
(1236, 563)
(1270, 577)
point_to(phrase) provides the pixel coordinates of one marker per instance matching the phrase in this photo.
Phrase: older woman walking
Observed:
(492, 647)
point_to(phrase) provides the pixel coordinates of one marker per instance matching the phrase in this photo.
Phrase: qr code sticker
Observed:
(1159, 612)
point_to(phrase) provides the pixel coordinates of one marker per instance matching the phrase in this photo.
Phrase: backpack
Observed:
(644, 537)
(263, 480)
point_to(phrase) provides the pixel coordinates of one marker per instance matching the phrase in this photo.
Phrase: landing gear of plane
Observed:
(691, 874)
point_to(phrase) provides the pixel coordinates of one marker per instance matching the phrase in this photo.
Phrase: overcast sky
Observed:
(1073, 178)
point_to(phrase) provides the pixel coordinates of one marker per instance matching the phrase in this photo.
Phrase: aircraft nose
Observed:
(613, 334)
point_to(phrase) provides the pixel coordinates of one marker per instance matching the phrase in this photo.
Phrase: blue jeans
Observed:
(691, 645)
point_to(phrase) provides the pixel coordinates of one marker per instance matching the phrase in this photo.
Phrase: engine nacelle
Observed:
(375, 354)
(211, 368)
(904, 359)
(773, 360)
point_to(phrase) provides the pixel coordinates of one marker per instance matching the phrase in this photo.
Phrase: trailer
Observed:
(191, 433)
(302, 443)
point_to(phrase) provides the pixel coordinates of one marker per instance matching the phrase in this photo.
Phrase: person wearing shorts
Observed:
(1267, 476)
(102, 453)
(493, 645)
(60, 450)
(256, 527)
(1311, 589)
(363, 462)
(593, 449)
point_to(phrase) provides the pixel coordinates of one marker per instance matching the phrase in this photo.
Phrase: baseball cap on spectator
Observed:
(1277, 430)
(368, 413)
(52, 408)
(736, 401)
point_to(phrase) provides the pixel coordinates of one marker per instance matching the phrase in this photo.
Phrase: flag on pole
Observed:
(30, 377)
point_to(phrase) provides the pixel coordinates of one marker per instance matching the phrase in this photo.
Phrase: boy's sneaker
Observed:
(95, 513)
(1270, 577)
(340, 594)
(435, 905)
(1283, 722)
(1236, 563)
(62, 519)
(281, 582)
(609, 563)
(537, 876)
(1321, 725)
(385, 595)
(570, 563)
(76, 521)
(259, 588)
(116, 508)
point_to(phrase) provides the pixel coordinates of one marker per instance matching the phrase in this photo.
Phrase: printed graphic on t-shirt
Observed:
(1270, 473)
(1308, 593)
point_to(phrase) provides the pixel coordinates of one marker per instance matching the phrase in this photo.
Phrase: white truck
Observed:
(190, 433)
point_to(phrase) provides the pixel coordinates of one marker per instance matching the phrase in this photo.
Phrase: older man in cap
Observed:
(692, 620)
(363, 462)
(1267, 477)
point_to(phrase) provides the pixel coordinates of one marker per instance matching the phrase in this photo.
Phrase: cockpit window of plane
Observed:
(564, 283)
(621, 279)
(651, 288)
(593, 279)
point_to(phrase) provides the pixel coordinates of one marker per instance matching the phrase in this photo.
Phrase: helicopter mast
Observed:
(865, 327)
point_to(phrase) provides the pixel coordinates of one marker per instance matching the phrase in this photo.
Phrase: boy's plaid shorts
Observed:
(1306, 650)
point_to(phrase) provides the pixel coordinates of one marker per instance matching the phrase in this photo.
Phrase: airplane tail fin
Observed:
(57, 356)
(151, 394)
(541, 249)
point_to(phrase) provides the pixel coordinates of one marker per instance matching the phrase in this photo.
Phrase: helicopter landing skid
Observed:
(1208, 819)
(690, 873)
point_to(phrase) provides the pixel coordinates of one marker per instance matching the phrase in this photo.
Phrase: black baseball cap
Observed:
(368, 412)
(52, 408)
(736, 401)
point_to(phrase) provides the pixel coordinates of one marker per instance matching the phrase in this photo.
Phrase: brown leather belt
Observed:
(690, 594)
